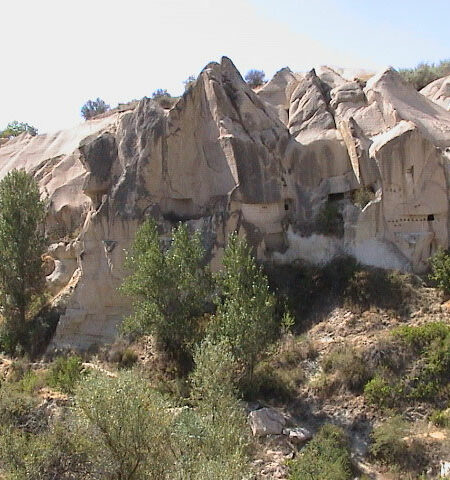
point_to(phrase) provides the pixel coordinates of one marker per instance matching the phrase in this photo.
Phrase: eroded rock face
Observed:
(225, 158)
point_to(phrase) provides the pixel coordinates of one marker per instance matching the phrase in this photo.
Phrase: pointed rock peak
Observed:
(387, 76)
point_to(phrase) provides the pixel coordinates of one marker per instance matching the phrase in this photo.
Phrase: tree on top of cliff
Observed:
(15, 128)
(22, 278)
(93, 107)
(255, 78)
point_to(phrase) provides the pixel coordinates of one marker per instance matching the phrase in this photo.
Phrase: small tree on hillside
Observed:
(255, 78)
(170, 288)
(15, 128)
(93, 107)
(245, 315)
(21, 247)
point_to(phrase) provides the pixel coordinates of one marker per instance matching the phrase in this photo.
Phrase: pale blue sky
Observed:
(56, 54)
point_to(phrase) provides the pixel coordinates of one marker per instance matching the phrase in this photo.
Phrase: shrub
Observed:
(379, 391)
(129, 426)
(15, 128)
(348, 368)
(326, 457)
(424, 73)
(189, 82)
(377, 287)
(128, 358)
(54, 454)
(362, 197)
(389, 445)
(441, 418)
(329, 220)
(17, 409)
(65, 373)
(164, 98)
(255, 78)
(213, 439)
(93, 107)
(440, 270)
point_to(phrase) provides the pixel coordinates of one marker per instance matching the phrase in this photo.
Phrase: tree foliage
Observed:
(245, 315)
(21, 247)
(255, 78)
(15, 128)
(440, 270)
(93, 107)
(170, 287)
(425, 73)
(326, 457)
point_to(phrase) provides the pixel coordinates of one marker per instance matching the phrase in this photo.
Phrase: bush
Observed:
(164, 98)
(362, 197)
(213, 439)
(389, 445)
(440, 270)
(93, 107)
(128, 358)
(54, 454)
(15, 128)
(65, 373)
(329, 220)
(255, 78)
(375, 287)
(348, 367)
(424, 73)
(379, 391)
(326, 457)
(129, 427)
(189, 82)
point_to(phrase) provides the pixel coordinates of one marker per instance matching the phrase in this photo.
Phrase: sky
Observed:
(57, 54)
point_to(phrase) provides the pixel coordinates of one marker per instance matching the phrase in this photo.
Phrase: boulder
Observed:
(266, 422)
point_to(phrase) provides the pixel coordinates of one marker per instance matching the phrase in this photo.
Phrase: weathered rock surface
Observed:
(266, 422)
(439, 92)
(225, 158)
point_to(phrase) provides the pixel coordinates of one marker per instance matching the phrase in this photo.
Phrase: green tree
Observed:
(255, 78)
(170, 287)
(93, 107)
(15, 128)
(21, 247)
(245, 314)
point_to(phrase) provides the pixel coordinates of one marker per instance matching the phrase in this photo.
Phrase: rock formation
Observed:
(225, 158)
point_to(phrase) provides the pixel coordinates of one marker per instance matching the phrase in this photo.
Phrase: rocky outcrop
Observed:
(439, 92)
(225, 158)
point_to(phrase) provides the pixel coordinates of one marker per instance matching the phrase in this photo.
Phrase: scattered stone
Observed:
(298, 435)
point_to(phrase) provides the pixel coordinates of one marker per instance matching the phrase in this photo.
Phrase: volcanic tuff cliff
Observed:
(266, 163)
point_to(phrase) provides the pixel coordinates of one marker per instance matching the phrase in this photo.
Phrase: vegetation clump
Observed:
(326, 457)
(15, 128)
(425, 73)
(440, 270)
(93, 107)
(255, 78)
(65, 373)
